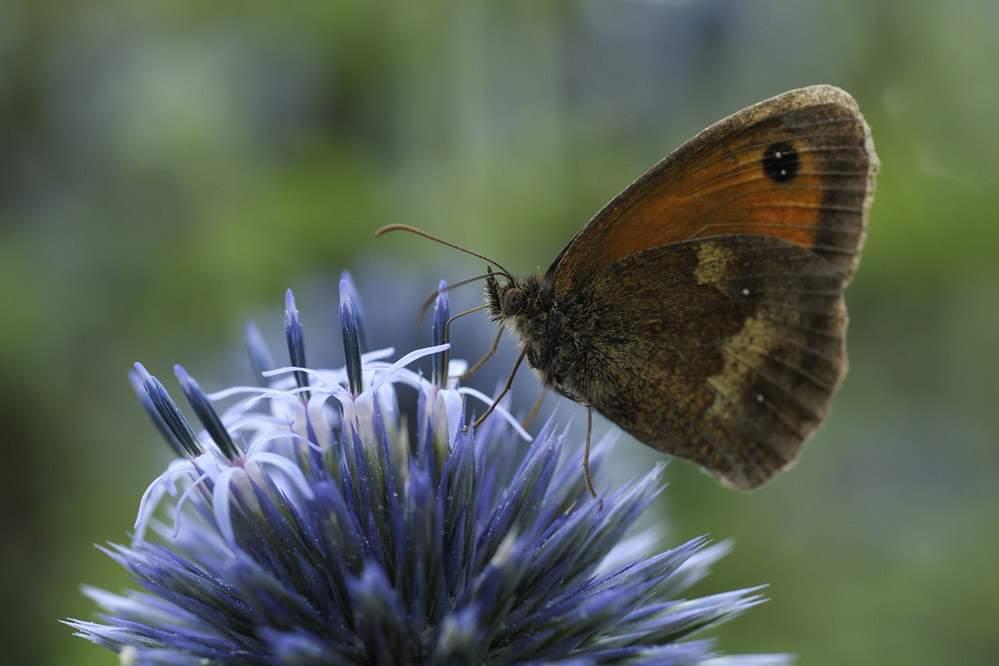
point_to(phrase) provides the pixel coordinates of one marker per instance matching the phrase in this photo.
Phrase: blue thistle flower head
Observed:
(305, 525)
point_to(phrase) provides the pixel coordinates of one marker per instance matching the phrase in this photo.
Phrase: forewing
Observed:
(799, 166)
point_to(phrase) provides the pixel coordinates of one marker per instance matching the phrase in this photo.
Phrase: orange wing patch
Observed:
(799, 167)
(773, 190)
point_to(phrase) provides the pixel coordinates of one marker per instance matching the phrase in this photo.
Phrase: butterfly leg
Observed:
(535, 408)
(589, 429)
(586, 452)
(506, 389)
(489, 354)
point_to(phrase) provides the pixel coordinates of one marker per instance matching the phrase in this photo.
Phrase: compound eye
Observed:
(512, 301)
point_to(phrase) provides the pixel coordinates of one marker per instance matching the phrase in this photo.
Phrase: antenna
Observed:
(430, 299)
(419, 232)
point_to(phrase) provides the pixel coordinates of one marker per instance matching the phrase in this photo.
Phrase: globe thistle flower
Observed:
(306, 525)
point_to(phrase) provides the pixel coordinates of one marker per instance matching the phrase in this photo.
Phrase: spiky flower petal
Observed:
(305, 525)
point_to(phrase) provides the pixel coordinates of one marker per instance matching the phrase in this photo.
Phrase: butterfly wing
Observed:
(728, 358)
(799, 166)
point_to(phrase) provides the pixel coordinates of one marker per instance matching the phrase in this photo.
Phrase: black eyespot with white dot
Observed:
(781, 162)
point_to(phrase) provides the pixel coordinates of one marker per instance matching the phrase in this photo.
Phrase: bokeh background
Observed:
(168, 169)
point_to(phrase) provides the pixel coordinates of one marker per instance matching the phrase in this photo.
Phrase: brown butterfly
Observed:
(702, 309)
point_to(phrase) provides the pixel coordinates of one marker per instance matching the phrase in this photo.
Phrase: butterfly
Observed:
(702, 309)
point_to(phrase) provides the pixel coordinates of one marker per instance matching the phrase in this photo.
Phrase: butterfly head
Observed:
(505, 296)
(526, 307)
(512, 300)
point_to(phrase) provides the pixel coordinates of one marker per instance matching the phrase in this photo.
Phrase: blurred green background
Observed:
(168, 169)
